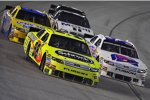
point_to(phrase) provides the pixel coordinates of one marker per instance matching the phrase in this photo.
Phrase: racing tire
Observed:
(95, 84)
(42, 64)
(8, 34)
(27, 52)
(2, 29)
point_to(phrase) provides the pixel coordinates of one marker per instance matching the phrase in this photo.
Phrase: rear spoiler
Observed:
(33, 29)
(82, 36)
(8, 7)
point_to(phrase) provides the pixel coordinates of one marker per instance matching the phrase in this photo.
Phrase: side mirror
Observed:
(8, 7)
(51, 11)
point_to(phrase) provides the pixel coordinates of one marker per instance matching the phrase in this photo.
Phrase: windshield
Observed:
(131, 52)
(73, 19)
(69, 44)
(32, 17)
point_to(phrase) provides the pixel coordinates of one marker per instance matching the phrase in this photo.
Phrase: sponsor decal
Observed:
(48, 62)
(75, 65)
(27, 25)
(126, 71)
(75, 71)
(38, 58)
(73, 56)
(76, 27)
(121, 58)
(37, 53)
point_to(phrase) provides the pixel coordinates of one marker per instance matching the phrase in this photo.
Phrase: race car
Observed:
(71, 20)
(63, 55)
(119, 59)
(16, 22)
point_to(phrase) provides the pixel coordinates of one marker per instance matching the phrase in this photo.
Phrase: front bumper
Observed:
(123, 75)
(71, 73)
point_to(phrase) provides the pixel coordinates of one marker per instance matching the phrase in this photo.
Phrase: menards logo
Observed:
(75, 71)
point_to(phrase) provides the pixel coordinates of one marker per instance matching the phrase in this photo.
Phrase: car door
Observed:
(41, 40)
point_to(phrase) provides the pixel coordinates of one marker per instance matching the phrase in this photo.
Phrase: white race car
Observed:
(71, 20)
(119, 59)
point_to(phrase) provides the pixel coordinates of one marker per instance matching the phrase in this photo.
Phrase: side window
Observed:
(39, 34)
(14, 13)
(98, 43)
(45, 37)
(93, 39)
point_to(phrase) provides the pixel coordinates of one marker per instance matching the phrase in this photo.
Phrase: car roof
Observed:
(61, 11)
(70, 9)
(33, 11)
(116, 41)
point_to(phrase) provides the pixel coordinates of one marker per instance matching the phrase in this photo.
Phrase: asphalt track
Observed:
(21, 80)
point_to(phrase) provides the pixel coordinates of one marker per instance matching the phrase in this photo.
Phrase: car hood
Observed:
(74, 57)
(122, 59)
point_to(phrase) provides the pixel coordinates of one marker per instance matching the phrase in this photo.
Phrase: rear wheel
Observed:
(2, 29)
(8, 32)
(42, 64)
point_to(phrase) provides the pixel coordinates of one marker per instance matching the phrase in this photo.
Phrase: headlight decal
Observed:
(141, 71)
(94, 69)
(58, 60)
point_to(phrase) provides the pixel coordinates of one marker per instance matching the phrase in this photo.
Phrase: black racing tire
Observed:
(2, 29)
(9, 31)
(27, 52)
(95, 84)
(42, 64)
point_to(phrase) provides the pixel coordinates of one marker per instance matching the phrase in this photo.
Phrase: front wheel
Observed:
(42, 64)
(27, 52)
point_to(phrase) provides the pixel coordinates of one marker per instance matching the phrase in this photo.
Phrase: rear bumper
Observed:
(17, 36)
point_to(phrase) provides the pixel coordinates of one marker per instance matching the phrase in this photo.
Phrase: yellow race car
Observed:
(16, 22)
(63, 55)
